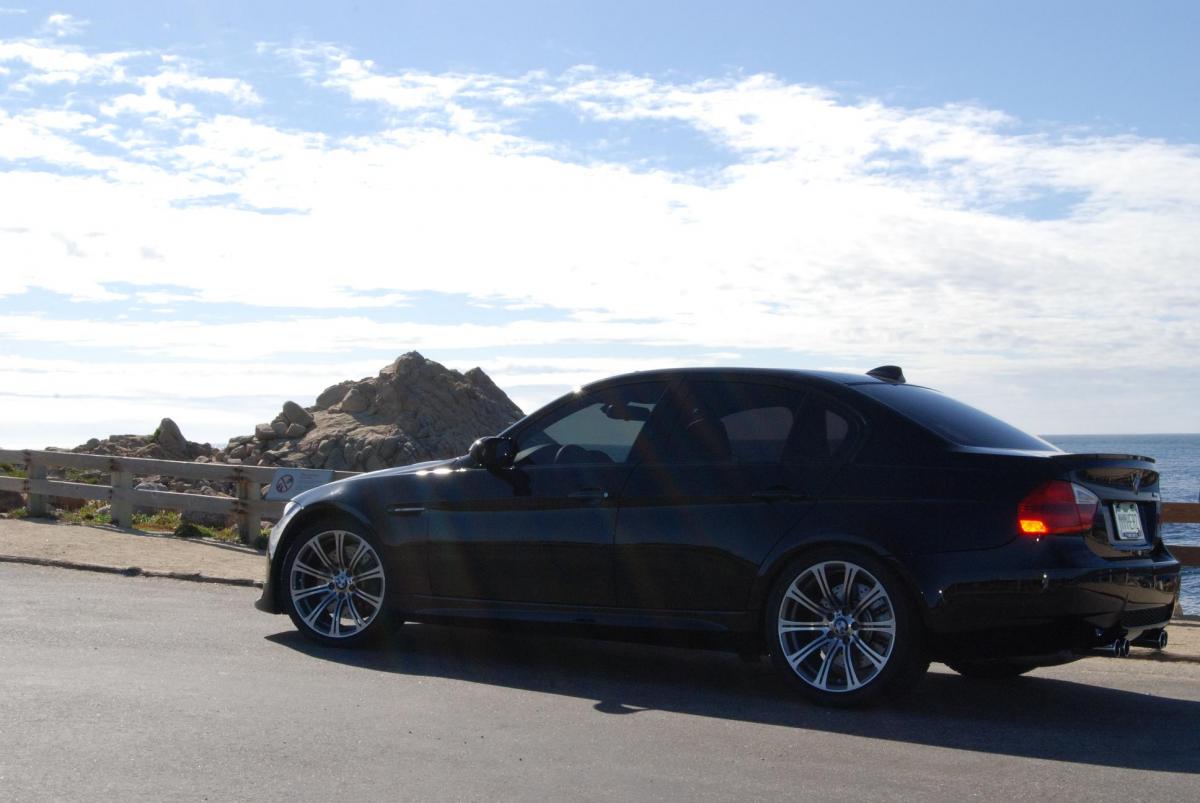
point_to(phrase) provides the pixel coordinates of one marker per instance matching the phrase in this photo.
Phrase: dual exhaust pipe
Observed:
(1153, 639)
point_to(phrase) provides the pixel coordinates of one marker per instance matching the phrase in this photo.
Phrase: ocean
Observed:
(1178, 461)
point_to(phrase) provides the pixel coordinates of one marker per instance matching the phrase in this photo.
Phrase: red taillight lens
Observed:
(1057, 507)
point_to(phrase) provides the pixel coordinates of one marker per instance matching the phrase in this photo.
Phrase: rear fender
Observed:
(783, 555)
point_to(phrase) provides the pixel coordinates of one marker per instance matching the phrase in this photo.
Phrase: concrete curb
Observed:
(131, 571)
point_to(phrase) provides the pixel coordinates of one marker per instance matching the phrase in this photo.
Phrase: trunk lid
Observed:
(1127, 521)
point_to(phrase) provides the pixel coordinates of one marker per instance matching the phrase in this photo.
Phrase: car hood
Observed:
(415, 468)
(350, 485)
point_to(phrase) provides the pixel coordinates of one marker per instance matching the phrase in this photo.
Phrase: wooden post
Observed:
(248, 508)
(121, 507)
(39, 504)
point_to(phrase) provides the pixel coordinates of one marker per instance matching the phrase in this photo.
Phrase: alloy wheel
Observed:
(337, 584)
(836, 626)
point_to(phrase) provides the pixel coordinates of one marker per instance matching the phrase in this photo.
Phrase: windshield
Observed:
(956, 422)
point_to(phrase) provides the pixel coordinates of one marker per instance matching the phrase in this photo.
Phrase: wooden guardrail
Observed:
(1183, 513)
(247, 508)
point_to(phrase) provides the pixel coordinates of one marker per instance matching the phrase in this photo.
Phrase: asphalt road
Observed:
(148, 689)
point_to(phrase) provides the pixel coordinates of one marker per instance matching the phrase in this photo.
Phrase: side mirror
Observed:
(493, 452)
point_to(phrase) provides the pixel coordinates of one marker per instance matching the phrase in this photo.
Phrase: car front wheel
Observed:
(335, 585)
(842, 629)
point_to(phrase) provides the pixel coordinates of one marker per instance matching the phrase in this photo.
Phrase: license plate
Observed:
(1129, 521)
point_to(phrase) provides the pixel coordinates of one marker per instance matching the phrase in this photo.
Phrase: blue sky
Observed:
(206, 208)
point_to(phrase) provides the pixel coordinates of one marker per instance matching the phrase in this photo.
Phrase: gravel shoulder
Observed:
(111, 549)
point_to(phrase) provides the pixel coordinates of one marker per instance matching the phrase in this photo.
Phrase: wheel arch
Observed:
(308, 516)
(780, 560)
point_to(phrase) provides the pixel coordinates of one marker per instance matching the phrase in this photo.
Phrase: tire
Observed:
(992, 669)
(335, 585)
(836, 603)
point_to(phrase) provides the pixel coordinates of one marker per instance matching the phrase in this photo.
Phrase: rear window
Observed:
(956, 422)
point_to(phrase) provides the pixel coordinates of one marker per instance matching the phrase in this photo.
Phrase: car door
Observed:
(541, 530)
(736, 474)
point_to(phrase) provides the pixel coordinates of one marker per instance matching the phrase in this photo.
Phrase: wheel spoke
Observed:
(852, 681)
(869, 653)
(358, 553)
(305, 593)
(876, 593)
(304, 568)
(339, 540)
(848, 583)
(882, 626)
(370, 574)
(797, 596)
(823, 584)
(788, 626)
(335, 626)
(320, 606)
(800, 655)
(371, 598)
(315, 547)
(359, 622)
(822, 678)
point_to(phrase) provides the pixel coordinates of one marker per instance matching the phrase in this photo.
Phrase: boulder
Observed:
(174, 446)
(357, 400)
(264, 432)
(296, 414)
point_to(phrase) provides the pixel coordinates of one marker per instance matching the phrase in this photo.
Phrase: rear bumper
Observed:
(1041, 597)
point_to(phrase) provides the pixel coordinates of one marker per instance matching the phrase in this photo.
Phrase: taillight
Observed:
(1057, 507)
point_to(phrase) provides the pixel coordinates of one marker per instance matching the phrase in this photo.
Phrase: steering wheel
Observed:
(571, 454)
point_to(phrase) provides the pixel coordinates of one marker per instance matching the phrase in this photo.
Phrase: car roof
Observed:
(739, 373)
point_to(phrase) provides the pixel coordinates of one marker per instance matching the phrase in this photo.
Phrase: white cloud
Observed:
(835, 230)
(62, 25)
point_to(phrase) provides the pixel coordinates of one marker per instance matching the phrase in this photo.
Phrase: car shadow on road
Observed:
(1032, 716)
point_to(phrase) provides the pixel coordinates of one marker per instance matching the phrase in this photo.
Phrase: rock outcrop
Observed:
(415, 409)
(167, 443)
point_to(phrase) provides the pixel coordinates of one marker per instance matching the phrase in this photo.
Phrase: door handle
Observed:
(589, 493)
(776, 495)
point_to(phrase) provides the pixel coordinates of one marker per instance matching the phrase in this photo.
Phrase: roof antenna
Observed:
(888, 373)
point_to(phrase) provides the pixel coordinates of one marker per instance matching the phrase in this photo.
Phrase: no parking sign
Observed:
(289, 482)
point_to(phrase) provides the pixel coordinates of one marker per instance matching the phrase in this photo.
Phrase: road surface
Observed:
(134, 688)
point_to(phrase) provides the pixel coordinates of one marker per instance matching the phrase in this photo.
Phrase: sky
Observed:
(207, 208)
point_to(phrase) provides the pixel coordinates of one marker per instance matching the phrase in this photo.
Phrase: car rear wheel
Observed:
(335, 585)
(842, 629)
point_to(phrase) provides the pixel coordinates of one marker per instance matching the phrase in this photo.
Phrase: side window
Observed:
(823, 432)
(600, 427)
(734, 422)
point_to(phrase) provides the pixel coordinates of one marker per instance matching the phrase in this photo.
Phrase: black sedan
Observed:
(852, 527)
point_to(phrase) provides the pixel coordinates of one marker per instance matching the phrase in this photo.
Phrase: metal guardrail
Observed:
(247, 508)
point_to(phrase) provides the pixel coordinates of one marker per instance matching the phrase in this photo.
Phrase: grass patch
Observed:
(91, 477)
(90, 513)
(167, 522)
(9, 470)
(160, 521)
